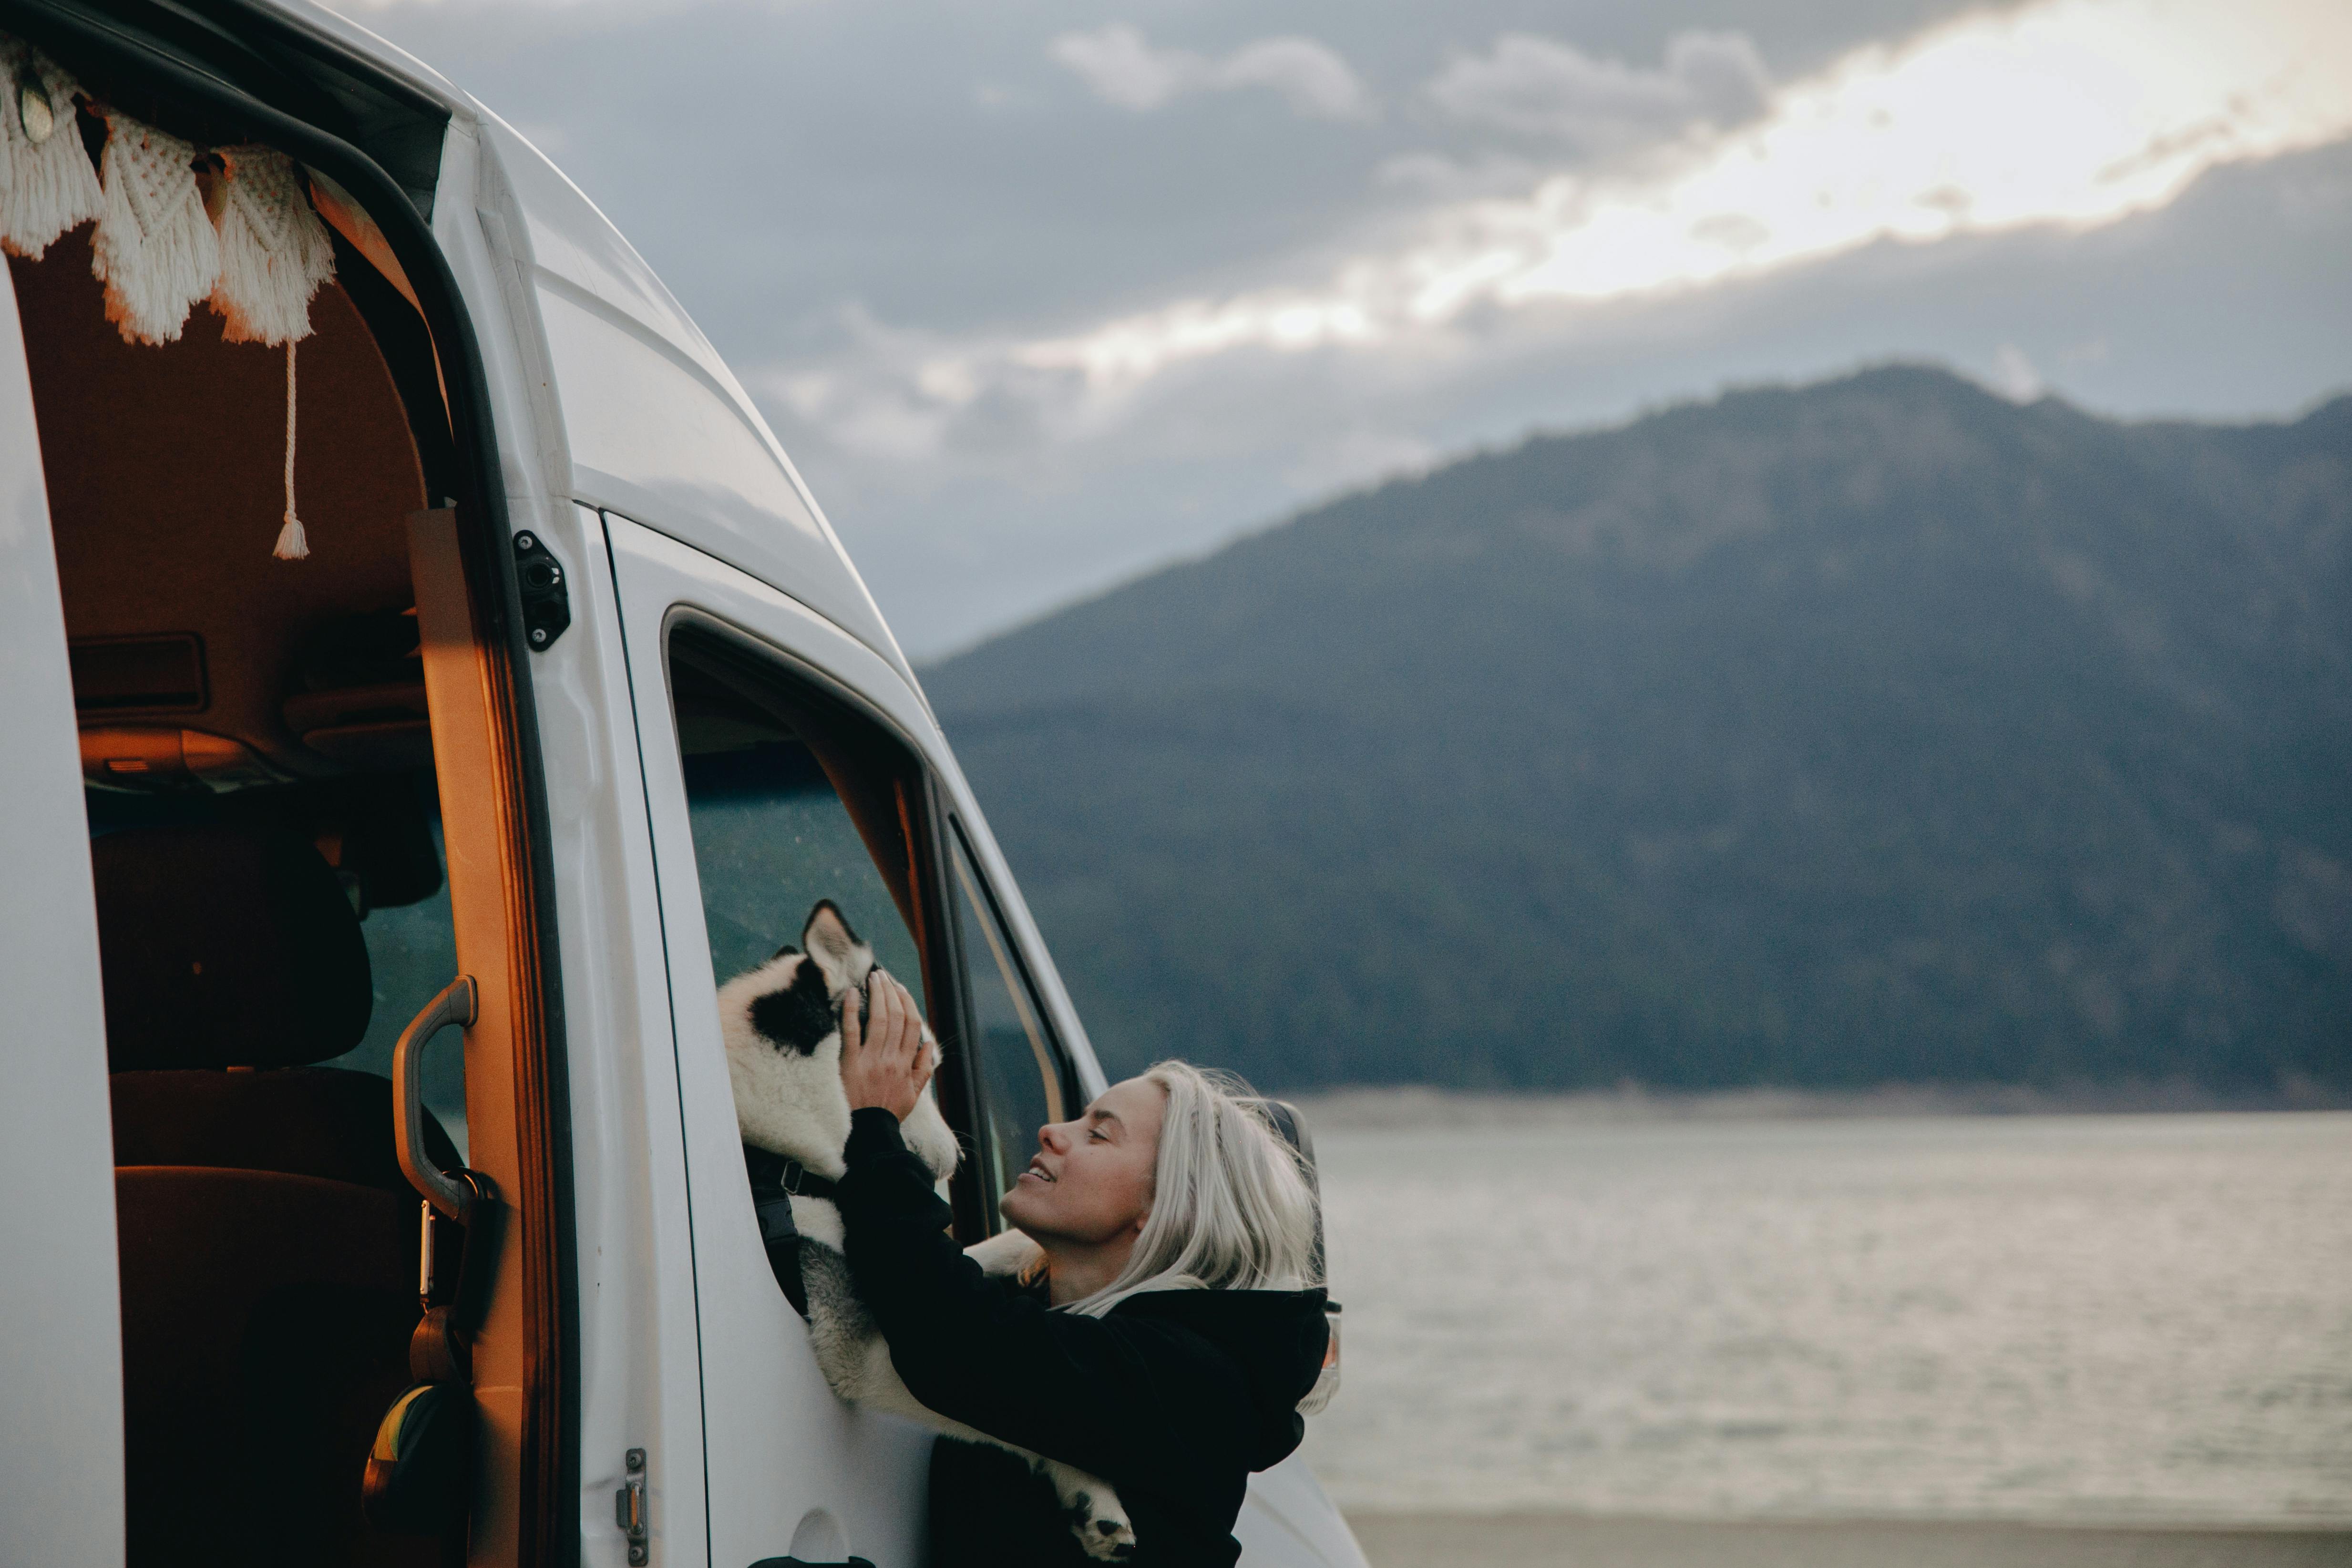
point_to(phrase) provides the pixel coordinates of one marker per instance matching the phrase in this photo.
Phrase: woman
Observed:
(1162, 1339)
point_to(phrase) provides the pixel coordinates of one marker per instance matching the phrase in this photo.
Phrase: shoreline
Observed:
(1384, 1107)
(1599, 1541)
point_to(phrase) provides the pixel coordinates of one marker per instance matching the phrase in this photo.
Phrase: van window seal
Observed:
(753, 644)
(311, 76)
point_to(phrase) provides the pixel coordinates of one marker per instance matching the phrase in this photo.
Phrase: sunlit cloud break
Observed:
(2074, 114)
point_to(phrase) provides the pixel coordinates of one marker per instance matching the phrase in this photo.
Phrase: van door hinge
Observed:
(629, 1508)
(546, 602)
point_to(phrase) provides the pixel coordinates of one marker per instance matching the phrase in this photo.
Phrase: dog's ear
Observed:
(829, 940)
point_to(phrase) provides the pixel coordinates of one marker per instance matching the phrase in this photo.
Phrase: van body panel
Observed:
(784, 1455)
(1287, 1519)
(654, 425)
(60, 1296)
(639, 1346)
(665, 439)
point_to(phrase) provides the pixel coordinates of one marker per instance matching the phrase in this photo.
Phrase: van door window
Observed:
(773, 835)
(786, 811)
(1024, 1082)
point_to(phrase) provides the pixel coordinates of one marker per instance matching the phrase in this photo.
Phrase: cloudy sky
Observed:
(1041, 293)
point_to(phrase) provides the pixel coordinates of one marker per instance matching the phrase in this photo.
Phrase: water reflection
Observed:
(2124, 1317)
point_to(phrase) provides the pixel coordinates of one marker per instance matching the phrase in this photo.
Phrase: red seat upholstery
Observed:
(305, 1121)
(265, 1320)
(267, 1242)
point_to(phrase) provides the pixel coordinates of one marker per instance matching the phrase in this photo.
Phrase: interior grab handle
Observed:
(417, 1480)
(456, 1005)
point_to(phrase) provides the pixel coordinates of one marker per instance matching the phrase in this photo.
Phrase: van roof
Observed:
(654, 425)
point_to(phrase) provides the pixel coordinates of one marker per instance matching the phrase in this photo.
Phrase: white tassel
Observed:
(154, 249)
(46, 185)
(274, 251)
(293, 544)
(274, 255)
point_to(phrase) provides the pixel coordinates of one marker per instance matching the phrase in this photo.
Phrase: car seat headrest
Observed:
(225, 946)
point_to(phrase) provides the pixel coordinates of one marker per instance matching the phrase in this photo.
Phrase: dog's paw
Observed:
(1101, 1525)
(1007, 1252)
(1096, 1516)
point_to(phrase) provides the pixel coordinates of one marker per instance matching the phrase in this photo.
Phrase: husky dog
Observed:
(782, 1031)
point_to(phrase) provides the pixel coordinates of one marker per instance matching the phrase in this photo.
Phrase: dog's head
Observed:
(783, 1027)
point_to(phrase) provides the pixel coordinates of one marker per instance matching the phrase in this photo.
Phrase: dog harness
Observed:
(776, 1180)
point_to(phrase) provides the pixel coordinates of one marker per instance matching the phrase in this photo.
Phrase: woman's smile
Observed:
(1037, 1170)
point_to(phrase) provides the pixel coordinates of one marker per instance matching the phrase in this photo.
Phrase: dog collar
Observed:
(783, 1172)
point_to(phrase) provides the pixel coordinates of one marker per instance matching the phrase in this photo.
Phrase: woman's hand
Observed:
(885, 1060)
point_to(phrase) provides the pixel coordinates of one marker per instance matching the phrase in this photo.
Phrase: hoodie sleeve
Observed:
(1119, 1398)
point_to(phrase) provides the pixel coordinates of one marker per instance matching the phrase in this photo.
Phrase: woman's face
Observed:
(1090, 1182)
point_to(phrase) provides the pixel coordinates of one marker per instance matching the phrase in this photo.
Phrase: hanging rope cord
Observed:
(292, 544)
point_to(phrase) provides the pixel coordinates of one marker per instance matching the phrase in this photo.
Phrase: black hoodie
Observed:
(1173, 1396)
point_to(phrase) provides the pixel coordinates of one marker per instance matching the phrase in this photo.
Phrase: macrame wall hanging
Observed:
(46, 185)
(176, 225)
(154, 249)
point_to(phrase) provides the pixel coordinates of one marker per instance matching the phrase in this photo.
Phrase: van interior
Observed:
(265, 845)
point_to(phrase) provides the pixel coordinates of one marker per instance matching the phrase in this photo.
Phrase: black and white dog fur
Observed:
(782, 1031)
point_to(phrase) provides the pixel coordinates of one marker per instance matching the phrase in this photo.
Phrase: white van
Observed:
(576, 696)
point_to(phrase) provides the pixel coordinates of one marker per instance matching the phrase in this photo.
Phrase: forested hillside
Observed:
(1875, 730)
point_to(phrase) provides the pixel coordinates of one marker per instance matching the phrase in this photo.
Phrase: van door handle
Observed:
(797, 1562)
(457, 1005)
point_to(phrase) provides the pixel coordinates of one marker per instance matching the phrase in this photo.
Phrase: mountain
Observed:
(1875, 730)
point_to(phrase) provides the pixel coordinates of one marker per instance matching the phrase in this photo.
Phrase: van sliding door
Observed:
(60, 1314)
(767, 791)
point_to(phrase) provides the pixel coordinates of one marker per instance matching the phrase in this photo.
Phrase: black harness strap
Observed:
(776, 1180)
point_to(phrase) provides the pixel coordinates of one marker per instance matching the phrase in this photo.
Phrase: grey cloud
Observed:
(1539, 87)
(775, 160)
(778, 163)
(1441, 180)
(1121, 66)
(2202, 309)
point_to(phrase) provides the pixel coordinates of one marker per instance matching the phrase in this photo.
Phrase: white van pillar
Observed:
(61, 1500)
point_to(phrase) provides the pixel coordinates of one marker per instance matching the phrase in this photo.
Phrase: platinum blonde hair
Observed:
(1232, 1205)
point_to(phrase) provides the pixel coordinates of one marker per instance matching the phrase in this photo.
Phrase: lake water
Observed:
(2116, 1318)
